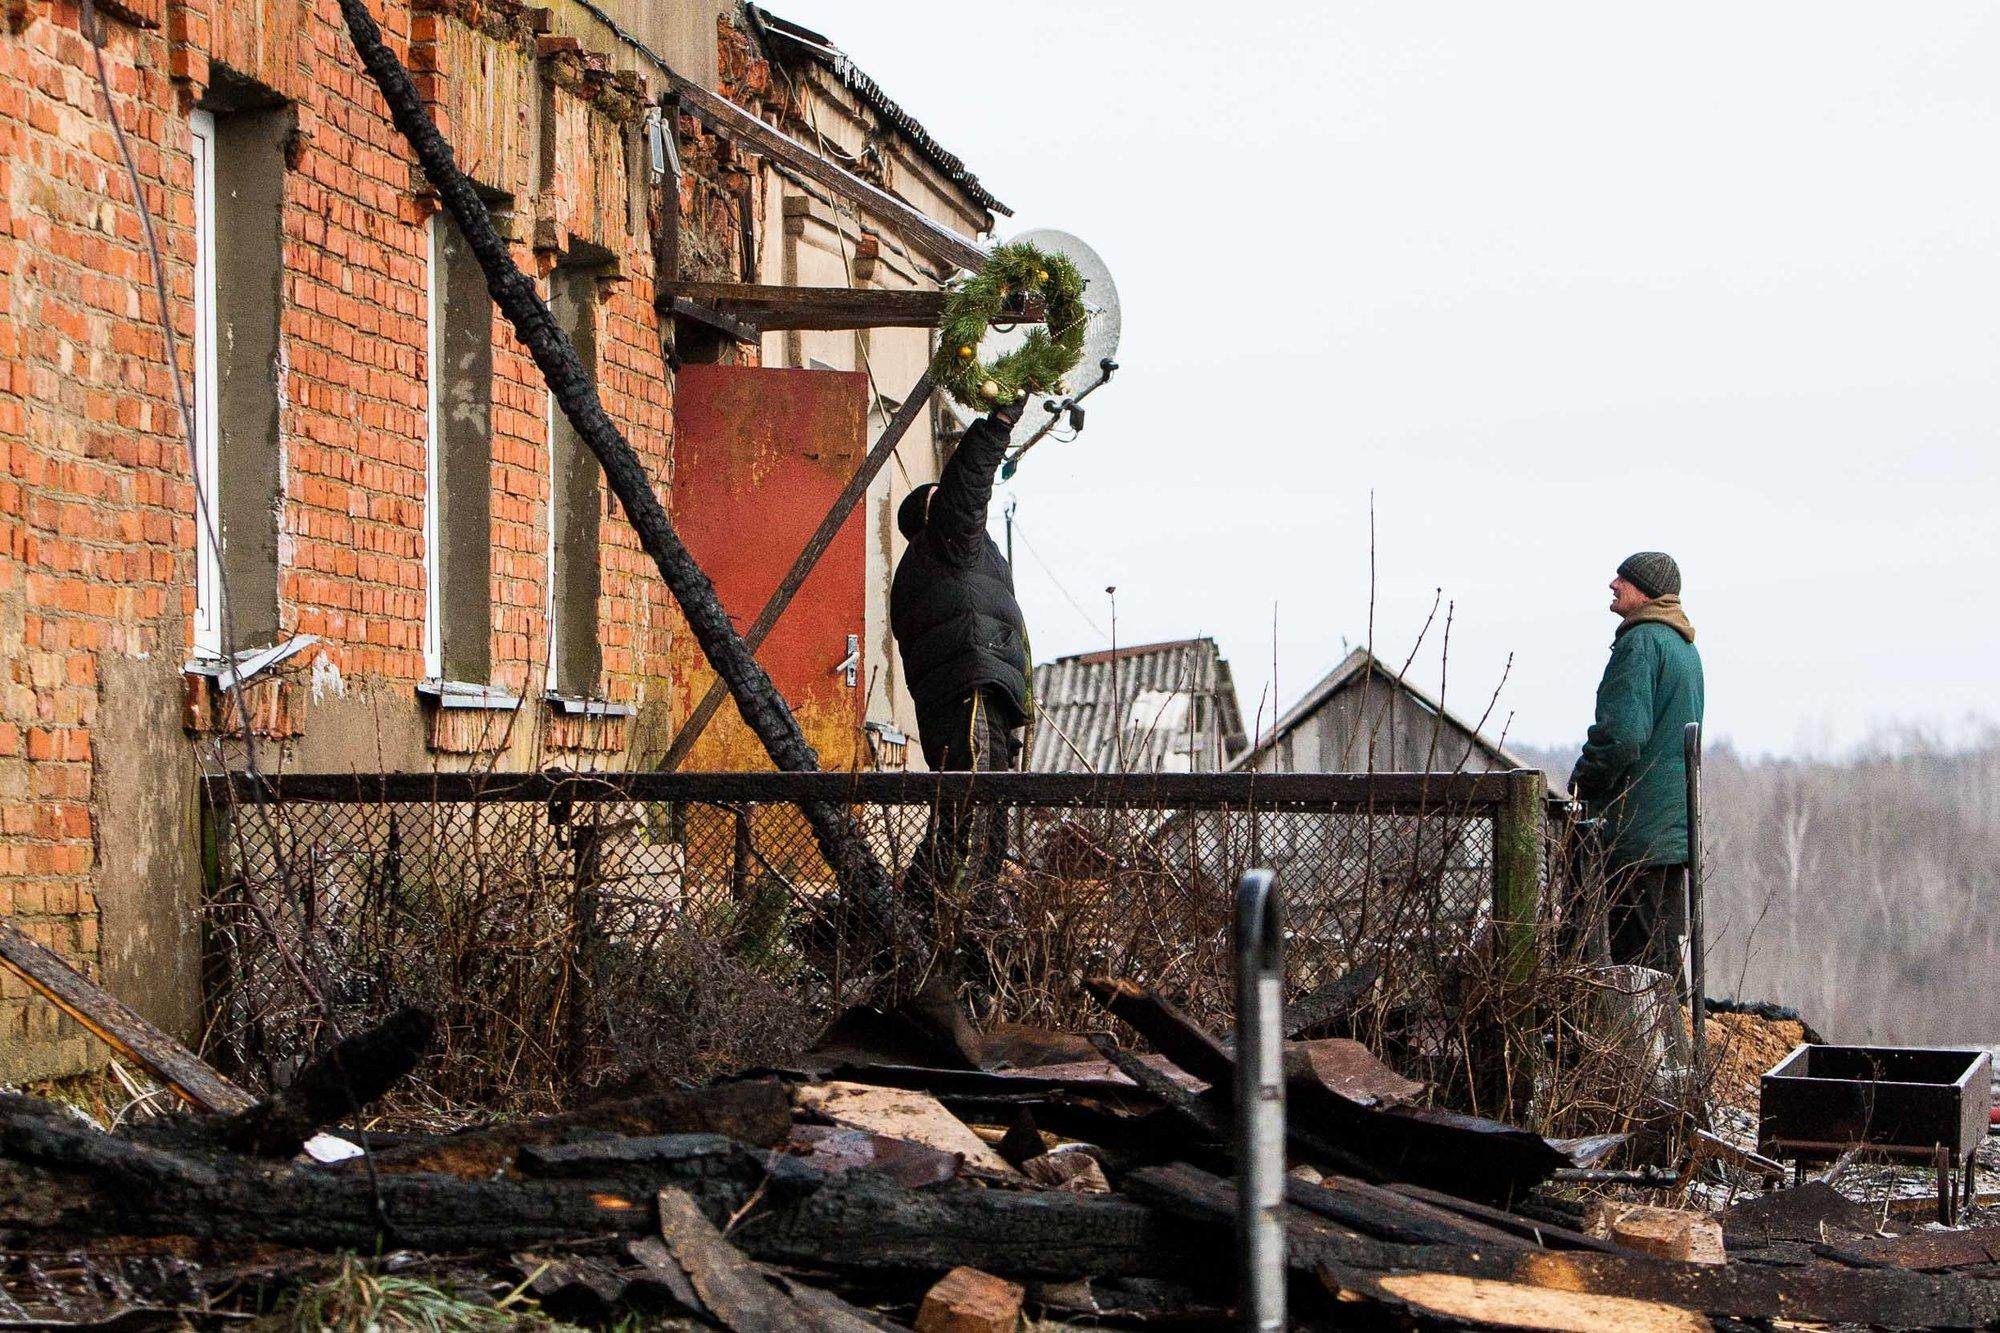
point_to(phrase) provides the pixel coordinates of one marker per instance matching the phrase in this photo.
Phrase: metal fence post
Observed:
(1697, 945)
(1260, 1102)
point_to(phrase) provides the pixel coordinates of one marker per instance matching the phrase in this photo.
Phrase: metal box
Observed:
(1916, 1103)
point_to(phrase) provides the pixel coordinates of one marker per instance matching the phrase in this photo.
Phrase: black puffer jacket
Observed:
(952, 604)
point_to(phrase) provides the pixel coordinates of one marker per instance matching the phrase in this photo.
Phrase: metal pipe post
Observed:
(1697, 943)
(1260, 1102)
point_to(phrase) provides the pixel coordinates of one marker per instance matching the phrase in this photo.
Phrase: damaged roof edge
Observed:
(792, 38)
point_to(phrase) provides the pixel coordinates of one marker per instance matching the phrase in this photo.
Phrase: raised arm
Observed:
(957, 521)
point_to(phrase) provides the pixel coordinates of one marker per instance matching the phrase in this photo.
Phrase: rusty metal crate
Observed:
(1917, 1104)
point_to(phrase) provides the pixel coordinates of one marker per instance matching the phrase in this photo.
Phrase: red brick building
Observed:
(395, 508)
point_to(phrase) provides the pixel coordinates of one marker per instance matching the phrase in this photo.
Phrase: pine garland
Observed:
(1049, 353)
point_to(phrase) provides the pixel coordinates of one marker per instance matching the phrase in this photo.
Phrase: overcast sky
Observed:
(1552, 282)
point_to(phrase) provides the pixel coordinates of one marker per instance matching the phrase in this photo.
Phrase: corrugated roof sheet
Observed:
(793, 39)
(1156, 707)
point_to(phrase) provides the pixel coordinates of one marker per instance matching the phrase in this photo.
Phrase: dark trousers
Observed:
(1647, 919)
(964, 845)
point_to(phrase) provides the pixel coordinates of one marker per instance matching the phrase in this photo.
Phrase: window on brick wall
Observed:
(458, 474)
(207, 633)
(575, 503)
(239, 187)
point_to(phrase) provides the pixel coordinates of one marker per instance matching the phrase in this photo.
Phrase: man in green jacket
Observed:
(1634, 772)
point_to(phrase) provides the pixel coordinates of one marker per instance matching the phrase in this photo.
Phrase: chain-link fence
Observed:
(566, 926)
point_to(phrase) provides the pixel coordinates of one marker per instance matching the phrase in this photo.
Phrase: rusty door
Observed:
(759, 456)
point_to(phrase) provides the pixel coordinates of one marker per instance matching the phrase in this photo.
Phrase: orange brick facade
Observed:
(98, 573)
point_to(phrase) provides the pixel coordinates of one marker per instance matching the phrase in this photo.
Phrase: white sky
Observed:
(1554, 282)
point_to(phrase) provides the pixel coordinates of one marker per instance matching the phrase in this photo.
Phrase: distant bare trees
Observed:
(1863, 891)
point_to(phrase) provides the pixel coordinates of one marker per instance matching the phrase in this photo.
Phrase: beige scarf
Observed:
(1661, 610)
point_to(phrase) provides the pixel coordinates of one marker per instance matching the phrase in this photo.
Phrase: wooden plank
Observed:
(742, 331)
(1466, 793)
(899, 1113)
(119, 1026)
(733, 121)
(773, 307)
(731, 1287)
(1490, 1304)
(1742, 1291)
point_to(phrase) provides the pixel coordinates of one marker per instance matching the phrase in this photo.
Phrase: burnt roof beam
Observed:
(767, 307)
(733, 122)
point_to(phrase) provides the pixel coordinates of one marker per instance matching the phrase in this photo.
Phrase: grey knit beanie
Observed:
(1651, 572)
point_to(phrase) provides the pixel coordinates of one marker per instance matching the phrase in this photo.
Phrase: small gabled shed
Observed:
(1362, 718)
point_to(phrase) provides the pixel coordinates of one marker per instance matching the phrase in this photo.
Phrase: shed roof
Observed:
(1133, 710)
(792, 39)
(1352, 671)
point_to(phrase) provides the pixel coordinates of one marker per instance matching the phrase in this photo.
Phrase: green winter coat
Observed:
(1634, 768)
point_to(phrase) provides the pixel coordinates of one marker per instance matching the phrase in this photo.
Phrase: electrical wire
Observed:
(1022, 533)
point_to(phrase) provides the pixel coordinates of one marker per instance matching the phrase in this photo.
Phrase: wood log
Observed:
(861, 1222)
(60, 1176)
(352, 1075)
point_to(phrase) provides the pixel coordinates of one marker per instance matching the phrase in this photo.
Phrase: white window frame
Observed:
(206, 446)
(550, 671)
(434, 381)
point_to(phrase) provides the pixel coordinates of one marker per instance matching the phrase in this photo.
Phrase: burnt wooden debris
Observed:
(118, 1025)
(748, 1204)
(767, 308)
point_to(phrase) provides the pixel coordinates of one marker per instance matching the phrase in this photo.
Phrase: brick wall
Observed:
(96, 501)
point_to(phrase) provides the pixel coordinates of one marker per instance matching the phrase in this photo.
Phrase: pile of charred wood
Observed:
(900, 1179)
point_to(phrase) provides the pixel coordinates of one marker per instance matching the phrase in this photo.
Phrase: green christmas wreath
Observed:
(1050, 351)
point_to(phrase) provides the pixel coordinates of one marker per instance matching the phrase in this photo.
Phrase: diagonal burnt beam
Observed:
(866, 888)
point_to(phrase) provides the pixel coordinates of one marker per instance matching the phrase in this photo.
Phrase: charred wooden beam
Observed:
(1741, 1291)
(769, 307)
(732, 121)
(756, 1112)
(119, 1025)
(866, 888)
(352, 1075)
(861, 1222)
(1331, 1002)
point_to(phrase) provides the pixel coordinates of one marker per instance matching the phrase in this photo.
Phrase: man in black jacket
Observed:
(965, 658)
(964, 644)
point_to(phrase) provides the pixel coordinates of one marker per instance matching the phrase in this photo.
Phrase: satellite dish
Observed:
(1100, 338)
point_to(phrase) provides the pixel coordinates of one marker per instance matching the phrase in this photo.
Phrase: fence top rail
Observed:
(1392, 792)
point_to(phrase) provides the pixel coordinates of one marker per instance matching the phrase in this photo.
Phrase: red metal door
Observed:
(759, 456)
